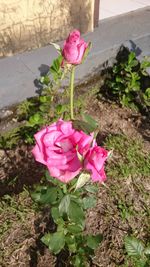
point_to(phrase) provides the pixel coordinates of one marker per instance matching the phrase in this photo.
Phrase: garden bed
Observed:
(123, 202)
(122, 208)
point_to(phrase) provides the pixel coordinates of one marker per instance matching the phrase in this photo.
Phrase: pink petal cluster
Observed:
(58, 146)
(74, 48)
(94, 162)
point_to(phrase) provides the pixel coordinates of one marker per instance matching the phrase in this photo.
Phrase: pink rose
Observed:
(74, 48)
(94, 162)
(57, 147)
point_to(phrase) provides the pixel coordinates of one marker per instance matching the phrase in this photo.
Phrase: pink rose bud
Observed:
(94, 162)
(57, 147)
(74, 48)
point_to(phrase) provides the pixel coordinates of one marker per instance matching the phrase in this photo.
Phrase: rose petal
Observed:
(38, 154)
(65, 144)
(71, 53)
(50, 138)
(58, 159)
(84, 143)
(81, 49)
(66, 128)
(74, 37)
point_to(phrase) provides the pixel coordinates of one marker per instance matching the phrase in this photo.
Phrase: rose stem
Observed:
(71, 92)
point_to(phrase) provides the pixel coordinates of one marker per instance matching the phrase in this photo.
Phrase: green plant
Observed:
(137, 251)
(126, 81)
(69, 151)
(68, 204)
(125, 211)
(10, 139)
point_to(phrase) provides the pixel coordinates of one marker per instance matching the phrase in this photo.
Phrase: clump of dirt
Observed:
(23, 225)
(18, 168)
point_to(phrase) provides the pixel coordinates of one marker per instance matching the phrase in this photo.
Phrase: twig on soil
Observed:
(97, 264)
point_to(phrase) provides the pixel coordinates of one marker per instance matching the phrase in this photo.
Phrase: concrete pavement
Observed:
(17, 73)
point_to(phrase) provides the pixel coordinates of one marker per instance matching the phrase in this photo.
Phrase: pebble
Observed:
(5, 113)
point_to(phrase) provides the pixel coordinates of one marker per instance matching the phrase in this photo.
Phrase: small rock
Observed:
(2, 153)
(4, 113)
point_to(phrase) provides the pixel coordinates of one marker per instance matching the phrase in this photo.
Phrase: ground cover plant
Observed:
(117, 214)
(139, 253)
(128, 81)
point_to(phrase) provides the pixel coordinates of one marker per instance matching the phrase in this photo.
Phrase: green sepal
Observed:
(82, 180)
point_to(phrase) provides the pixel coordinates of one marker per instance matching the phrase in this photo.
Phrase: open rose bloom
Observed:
(58, 146)
(74, 48)
(94, 162)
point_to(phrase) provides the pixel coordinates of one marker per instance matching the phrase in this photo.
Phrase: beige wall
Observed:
(27, 24)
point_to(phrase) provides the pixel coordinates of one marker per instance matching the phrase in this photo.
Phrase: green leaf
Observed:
(82, 125)
(55, 242)
(77, 260)
(134, 63)
(46, 239)
(87, 118)
(118, 79)
(45, 80)
(147, 250)
(76, 214)
(70, 240)
(87, 50)
(45, 99)
(94, 241)
(82, 180)
(91, 188)
(64, 205)
(55, 213)
(145, 63)
(36, 195)
(116, 68)
(59, 108)
(131, 57)
(89, 202)
(74, 228)
(45, 195)
(35, 119)
(52, 179)
(134, 247)
(49, 196)
(55, 67)
(147, 93)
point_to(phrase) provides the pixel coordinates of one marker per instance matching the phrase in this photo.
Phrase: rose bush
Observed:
(57, 147)
(66, 150)
(74, 48)
(94, 162)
